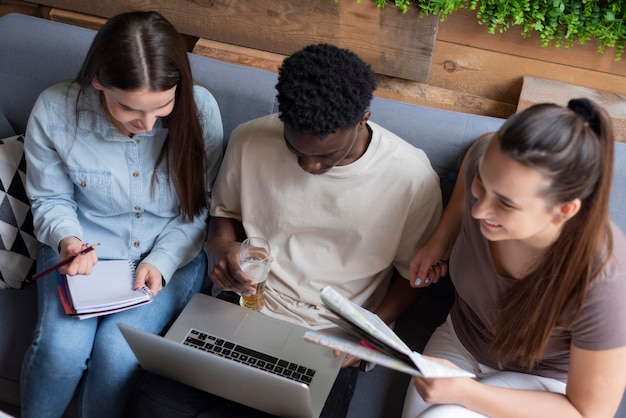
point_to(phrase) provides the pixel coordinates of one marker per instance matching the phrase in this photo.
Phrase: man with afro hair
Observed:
(322, 89)
(342, 201)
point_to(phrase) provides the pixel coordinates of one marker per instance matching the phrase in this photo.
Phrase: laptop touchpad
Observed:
(258, 330)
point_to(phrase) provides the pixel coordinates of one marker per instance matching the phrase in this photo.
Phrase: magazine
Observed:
(370, 339)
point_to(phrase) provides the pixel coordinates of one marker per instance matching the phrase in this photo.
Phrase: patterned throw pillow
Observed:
(18, 246)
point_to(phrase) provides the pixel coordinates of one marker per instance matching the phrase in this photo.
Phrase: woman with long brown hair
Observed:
(124, 155)
(539, 271)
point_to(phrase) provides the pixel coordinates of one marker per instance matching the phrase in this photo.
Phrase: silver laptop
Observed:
(241, 355)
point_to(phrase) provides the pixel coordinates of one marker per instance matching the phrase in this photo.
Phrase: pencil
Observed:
(65, 261)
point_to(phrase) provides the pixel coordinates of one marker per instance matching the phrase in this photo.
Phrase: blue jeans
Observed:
(91, 354)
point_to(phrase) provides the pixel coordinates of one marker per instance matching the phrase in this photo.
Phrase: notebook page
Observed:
(110, 285)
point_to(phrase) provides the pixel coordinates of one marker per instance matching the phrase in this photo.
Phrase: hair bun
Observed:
(583, 108)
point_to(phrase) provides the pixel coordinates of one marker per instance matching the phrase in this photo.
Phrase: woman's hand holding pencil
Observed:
(76, 257)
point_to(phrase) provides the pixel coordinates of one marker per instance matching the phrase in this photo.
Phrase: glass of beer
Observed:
(255, 260)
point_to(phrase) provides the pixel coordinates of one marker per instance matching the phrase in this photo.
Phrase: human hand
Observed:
(442, 390)
(149, 276)
(82, 263)
(349, 361)
(429, 264)
(224, 270)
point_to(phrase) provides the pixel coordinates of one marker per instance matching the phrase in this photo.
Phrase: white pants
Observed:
(445, 344)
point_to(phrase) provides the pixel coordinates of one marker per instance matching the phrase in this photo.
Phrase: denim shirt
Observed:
(89, 180)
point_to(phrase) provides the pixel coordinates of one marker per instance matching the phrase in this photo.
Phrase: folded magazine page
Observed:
(370, 339)
(363, 319)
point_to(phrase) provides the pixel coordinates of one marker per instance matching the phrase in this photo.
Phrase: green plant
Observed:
(563, 22)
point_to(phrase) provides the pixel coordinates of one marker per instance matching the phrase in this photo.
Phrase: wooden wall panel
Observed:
(94, 22)
(441, 98)
(472, 71)
(468, 59)
(498, 76)
(267, 61)
(16, 6)
(77, 19)
(388, 87)
(462, 28)
(395, 44)
(538, 90)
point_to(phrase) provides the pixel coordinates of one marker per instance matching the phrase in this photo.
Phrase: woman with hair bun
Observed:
(539, 271)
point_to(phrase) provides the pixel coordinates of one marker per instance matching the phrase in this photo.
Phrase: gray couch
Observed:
(36, 53)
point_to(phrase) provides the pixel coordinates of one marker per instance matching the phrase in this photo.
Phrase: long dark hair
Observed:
(573, 148)
(143, 50)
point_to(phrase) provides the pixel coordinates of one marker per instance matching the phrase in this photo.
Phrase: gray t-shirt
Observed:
(599, 326)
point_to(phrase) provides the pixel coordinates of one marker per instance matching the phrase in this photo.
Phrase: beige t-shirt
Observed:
(346, 228)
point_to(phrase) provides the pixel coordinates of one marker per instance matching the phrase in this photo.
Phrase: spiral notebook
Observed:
(108, 289)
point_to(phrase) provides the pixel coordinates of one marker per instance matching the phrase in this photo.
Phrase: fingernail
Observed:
(418, 281)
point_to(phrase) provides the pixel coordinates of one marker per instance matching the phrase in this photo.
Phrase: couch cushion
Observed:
(228, 81)
(18, 246)
(39, 57)
(18, 310)
(5, 127)
(618, 189)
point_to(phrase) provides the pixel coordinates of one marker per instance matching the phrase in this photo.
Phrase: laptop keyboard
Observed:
(227, 349)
